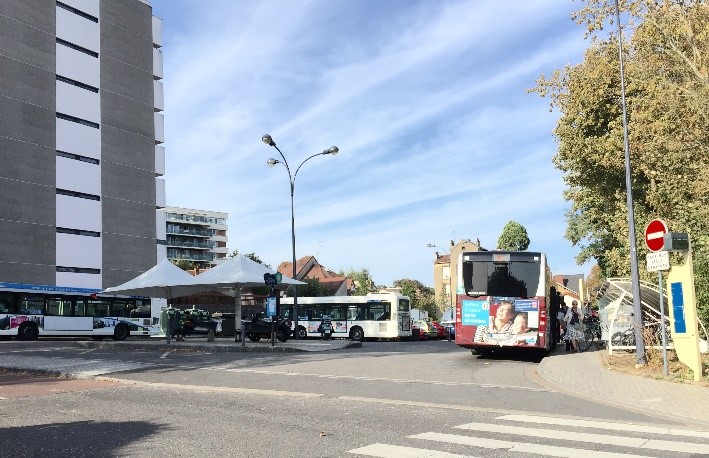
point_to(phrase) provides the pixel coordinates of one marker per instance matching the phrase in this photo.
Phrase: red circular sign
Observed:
(655, 235)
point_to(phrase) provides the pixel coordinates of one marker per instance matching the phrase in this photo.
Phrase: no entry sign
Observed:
(655, 235)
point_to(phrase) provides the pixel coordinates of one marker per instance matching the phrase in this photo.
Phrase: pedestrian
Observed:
(574, 320)
(561, 324)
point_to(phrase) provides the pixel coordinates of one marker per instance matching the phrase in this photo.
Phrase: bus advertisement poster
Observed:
(475, 313)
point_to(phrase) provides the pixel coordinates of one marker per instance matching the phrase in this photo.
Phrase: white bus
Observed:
(383, 315)
(31, 311)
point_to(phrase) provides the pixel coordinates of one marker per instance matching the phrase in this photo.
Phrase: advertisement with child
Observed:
(502, 321)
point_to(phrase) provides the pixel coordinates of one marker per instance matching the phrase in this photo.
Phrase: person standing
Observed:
(573, 319)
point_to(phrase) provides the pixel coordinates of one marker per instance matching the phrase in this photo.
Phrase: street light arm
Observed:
(307, 159)
(285, 162)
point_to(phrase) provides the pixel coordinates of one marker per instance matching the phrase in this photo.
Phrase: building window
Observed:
(64, 6)
(71, 45)
(446, 272)
(77, 84)
(80, 195)
(77, 120)
(77, 157)
(78, 270)
(66, 230)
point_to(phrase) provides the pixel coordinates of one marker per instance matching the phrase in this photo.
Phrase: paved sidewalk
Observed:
(223, 345)
(583, 374)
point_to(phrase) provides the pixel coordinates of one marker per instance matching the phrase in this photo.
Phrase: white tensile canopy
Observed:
(165, 280)
(236, 273)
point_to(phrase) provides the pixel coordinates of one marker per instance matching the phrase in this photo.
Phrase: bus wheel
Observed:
(357, 334)
(302, 333)
(27, 331)
(121, 332)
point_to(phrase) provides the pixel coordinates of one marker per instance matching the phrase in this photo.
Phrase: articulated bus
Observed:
(31, 311)
(382, 315)
(502, 300)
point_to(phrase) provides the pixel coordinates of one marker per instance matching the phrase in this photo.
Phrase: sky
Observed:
(427, 102)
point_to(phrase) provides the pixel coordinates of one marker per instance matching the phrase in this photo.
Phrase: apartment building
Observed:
(197, 236)
(81, 160)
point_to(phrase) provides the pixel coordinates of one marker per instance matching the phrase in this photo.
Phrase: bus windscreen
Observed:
(513, 278)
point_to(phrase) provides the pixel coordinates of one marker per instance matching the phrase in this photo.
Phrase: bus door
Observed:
(59, 316)
(404, 316)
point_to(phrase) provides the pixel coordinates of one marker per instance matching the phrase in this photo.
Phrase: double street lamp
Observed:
(271, 162)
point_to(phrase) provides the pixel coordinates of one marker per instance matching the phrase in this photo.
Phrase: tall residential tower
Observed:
(80, 142)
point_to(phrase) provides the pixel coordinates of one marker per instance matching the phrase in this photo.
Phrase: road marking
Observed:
(378, 379)
(590, 438)
(575, 436)
(388, 451)
(541, 449)
(431, 405)
(219, 389)
(164, 355)
(605, 424)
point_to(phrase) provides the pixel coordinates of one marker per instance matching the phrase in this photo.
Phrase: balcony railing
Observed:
(190, 244)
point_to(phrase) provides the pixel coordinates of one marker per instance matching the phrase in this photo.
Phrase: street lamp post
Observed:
(271, 162)
(634, 274)
(450, 292)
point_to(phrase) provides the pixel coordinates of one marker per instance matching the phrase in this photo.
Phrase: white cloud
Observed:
(426, 101)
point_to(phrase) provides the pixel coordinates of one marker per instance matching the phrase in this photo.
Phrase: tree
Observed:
(184, 264)
(422, 297)
(253, 256)
(362, 280)
(513, 237)
(313, 288)
(666, 50)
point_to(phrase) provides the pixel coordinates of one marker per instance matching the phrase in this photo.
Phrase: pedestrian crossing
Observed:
(547, 436)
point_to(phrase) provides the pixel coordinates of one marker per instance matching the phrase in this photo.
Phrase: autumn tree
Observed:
(422, 297)
(666, 47)
(362, 280)
(513, 237)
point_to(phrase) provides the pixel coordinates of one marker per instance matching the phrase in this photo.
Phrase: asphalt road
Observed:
(370, 401)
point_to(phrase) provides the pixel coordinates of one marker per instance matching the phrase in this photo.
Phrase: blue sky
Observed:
(426, 101)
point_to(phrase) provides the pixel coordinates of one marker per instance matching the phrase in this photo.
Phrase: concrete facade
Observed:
(78, 142)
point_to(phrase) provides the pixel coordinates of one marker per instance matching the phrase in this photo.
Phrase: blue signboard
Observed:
(678, 307)
(526, 305)
(270, 306)
(475, 313)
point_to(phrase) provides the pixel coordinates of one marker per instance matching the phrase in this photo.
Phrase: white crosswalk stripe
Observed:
(580, 442)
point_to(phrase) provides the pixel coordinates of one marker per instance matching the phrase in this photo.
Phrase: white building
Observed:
(198, 236)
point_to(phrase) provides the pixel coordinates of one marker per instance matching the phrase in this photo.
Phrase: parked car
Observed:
(425, 330)
(449, 325)
(442, 332)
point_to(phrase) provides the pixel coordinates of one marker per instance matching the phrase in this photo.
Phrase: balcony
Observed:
(190, 232)
(190, 244)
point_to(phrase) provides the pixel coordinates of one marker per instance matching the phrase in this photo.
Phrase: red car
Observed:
(442, 332)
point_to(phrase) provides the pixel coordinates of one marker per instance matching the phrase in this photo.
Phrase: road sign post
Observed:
(655, 235)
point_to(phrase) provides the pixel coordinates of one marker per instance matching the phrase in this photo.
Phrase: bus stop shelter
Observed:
(615, 308)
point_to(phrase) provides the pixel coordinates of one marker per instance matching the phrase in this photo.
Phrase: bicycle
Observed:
(591, 334)
(624, 338)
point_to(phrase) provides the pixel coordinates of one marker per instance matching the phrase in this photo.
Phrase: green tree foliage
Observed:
(422, 297)
(666, 48)
(513, 237)
(184, 264)
(313, 288)
(253, 256)
(362, 280)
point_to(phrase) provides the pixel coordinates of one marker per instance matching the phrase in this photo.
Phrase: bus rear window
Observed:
(511, 279)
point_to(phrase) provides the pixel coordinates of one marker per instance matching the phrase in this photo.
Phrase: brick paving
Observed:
(583, 374)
